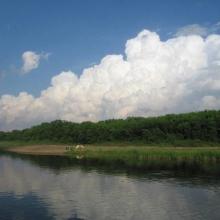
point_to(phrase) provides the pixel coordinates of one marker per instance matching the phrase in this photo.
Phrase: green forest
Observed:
(202, 126)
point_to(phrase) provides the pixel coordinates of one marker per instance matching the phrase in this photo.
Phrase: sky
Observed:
(93, 60)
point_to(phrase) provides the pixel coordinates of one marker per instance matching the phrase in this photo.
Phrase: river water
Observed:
(41, 188)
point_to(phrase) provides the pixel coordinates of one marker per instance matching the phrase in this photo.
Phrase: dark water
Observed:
(55, 188)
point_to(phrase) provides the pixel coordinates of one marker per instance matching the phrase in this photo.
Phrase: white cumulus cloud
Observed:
(154, 77)
(31, 60)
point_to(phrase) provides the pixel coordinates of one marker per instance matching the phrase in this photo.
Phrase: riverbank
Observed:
(188, 159)
(198, 160)
(55, 150)
(33, 148)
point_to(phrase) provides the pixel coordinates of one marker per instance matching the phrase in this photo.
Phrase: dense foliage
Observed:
(204, 126)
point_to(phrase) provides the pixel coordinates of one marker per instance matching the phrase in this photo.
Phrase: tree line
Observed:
(204, 126)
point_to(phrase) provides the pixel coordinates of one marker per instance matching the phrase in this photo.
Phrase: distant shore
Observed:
(39, 150)
(205, 160)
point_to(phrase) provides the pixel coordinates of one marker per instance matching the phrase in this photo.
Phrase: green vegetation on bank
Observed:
(193, 127)
(197, 136)
(192, 160)
(14, 143)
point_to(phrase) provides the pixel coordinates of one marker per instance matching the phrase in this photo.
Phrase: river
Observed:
(42, 188)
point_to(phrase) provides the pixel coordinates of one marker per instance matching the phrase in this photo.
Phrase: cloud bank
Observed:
(31, 61)
(154, 77)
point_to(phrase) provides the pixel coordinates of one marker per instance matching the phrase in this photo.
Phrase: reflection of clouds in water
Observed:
(100, 196)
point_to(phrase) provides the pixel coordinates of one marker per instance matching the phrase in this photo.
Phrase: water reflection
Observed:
(56, 188)
(15, 207)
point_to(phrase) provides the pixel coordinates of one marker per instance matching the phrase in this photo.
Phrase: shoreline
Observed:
(53, 150)
(60, 149)
(205, 160)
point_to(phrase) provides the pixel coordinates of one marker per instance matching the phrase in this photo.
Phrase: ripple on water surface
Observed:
(52, 188)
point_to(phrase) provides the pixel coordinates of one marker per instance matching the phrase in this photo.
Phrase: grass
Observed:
(203, 157)
(204, 160)
(171, 143)
(7, 144)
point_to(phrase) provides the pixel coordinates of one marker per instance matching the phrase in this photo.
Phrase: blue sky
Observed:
(92, 60)
(78, 33)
